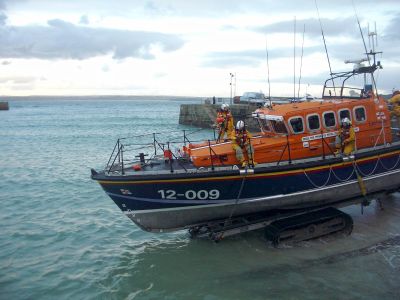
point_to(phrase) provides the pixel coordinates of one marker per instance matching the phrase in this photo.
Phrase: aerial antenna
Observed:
(301, 61)
(369, 40)
(361, 33)
(372, 38)
(269, 84)
(326, 49)
(294, 60)
(372, 52)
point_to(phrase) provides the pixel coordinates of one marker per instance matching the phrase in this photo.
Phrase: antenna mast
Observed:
(294, 61)
(372, 52)
(269, 84)
(301, 61)
(326, 49)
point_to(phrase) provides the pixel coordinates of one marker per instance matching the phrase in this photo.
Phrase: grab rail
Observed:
(117, 159)
(121, 154)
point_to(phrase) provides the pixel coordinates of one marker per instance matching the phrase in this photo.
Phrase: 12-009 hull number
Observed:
(190, 194)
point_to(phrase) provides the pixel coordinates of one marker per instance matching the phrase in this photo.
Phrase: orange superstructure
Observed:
(305, 130)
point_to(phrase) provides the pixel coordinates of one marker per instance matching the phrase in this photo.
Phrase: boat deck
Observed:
(159, 165)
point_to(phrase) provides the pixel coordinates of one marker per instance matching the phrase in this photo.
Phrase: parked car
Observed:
(253, 97)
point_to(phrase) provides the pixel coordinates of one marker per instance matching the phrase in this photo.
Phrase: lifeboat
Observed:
(304, 130)
(298, 167)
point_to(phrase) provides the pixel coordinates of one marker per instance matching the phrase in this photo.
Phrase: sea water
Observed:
(62, 237)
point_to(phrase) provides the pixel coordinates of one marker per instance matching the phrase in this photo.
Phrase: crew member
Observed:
(394, 102)
(346, 139)
(224, 122)
(241, 144)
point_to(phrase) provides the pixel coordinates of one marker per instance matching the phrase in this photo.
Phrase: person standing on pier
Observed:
(241, 143)
(224, 122)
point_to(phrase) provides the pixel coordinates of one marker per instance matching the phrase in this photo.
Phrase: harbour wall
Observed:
(204, 115)
(4, 105)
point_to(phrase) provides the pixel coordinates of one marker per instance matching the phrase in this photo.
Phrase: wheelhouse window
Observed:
(313, 122)
(297, 124)
(264, 125)
(360, 114)
(279, 127)
(344, 113)
(329, 119)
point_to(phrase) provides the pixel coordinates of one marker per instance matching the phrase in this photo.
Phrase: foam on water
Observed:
(61, 237)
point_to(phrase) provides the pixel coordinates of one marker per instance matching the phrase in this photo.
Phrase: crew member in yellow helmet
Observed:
(394, 102)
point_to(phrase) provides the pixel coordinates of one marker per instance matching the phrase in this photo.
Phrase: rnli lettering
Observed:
(190, 194)
(318, 136)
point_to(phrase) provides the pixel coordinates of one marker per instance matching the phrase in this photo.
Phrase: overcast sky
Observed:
(186, 47)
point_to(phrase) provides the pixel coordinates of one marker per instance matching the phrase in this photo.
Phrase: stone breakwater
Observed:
(204, 115)
(4, 105)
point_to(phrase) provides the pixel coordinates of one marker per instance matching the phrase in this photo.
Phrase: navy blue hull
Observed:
(166, 201)
(132, 193)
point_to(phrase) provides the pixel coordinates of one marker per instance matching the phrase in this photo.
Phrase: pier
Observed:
(4, 105)
(204, 115)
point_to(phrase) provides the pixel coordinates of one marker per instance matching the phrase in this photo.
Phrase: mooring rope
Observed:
(226, 222)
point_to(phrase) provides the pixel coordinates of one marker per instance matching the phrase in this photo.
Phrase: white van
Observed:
(253, 97)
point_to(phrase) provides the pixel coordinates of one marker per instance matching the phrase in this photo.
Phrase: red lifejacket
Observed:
(220, 120)
(241, 137)
(227, 116)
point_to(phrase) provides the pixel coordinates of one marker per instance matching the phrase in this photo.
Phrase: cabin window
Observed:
(297, 124)
(344, 113)
(329, 119)
(279, 127)
(264, 125)
(359, 113)
(313, 122)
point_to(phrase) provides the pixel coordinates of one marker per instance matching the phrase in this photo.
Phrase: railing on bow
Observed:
(133, 149)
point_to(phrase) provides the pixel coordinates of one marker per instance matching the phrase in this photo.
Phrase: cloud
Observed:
(105, 68)
(84, 20)
(331, 27)
(392, 30)
(251, 58)
(18, 79)
(3, 4)
(3, 19)
(63, 40)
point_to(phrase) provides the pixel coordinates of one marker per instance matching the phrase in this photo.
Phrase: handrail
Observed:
(128, 143)
(112, 153)
(122, 160)
(287, 145)
(121, 155)
(211, 159)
